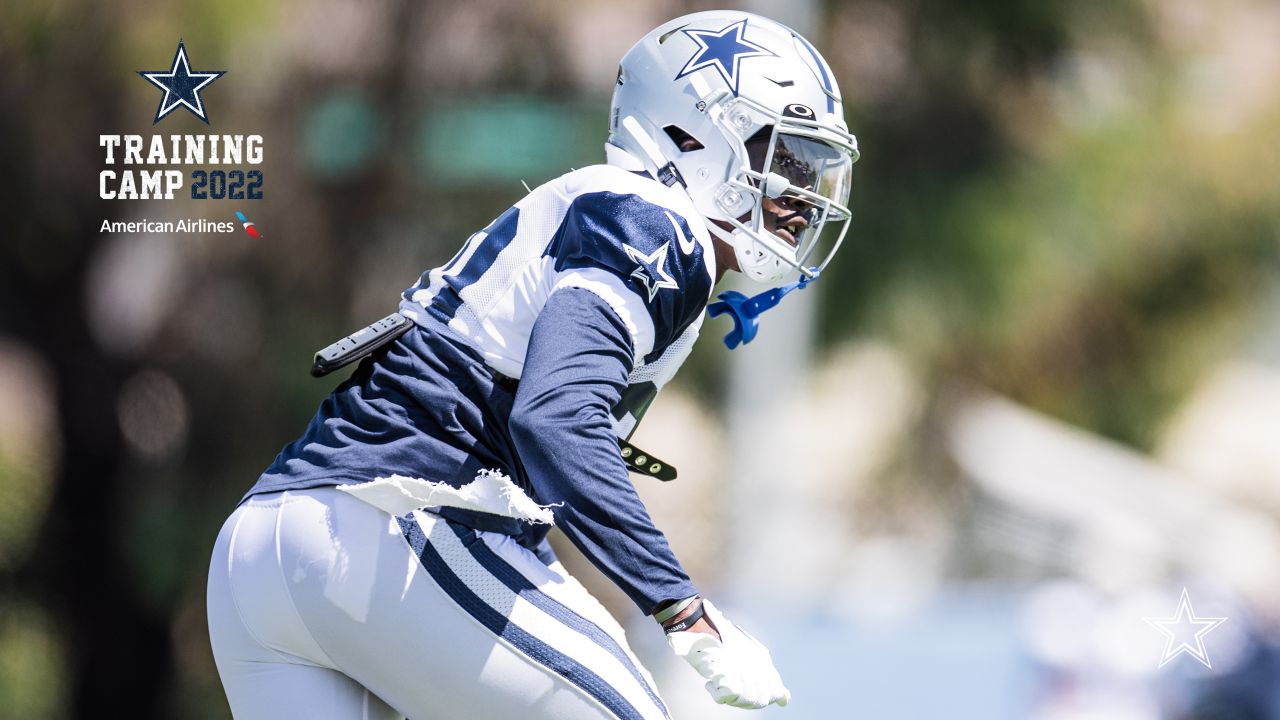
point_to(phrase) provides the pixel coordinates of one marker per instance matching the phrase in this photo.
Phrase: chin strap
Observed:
(746, 311)
(664, 170)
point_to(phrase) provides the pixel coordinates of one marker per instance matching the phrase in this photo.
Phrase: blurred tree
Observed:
(55, 96)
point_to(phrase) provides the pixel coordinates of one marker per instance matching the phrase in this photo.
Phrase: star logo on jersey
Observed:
(723, 50)
(652, 270)
(181, 85)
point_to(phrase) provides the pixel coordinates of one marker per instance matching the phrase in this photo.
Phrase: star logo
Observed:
(181, 86)
(652, 270)
(1184, 632)
(723, 50)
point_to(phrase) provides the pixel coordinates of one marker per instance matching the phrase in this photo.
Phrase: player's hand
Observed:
(738, 669)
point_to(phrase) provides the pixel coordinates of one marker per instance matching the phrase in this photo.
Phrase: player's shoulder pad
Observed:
(638, 230)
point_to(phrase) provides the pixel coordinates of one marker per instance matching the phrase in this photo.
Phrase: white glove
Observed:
(738, 669)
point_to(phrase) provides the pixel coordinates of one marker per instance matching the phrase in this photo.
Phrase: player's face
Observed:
(786, 216)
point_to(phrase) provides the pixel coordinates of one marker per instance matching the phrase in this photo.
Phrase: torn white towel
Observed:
(490, 492)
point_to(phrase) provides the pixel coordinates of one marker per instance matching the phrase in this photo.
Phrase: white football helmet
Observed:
(742, 109)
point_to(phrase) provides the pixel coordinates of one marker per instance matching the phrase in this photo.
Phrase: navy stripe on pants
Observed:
(537, 650)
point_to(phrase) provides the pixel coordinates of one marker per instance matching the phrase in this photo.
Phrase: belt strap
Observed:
(483, 521)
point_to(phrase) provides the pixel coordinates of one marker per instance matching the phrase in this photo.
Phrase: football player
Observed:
(393, 560)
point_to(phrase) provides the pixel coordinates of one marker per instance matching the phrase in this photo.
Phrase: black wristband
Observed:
(687, 621)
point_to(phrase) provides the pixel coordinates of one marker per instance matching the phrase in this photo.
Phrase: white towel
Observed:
(490, 492)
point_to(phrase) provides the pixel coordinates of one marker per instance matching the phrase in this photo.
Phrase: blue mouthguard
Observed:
(746, 311)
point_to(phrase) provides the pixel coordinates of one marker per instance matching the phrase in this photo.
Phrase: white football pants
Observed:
(324, 607)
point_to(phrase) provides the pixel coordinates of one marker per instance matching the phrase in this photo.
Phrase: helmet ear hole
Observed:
(682, 139)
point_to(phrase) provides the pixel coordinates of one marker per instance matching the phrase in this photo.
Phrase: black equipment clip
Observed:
(639, 461)
(359, 344)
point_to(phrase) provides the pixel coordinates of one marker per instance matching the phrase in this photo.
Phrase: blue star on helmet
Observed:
(652, 270)
(181, 86)
(723, 50)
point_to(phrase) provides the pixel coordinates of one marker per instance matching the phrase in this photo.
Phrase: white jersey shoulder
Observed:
(633, 241)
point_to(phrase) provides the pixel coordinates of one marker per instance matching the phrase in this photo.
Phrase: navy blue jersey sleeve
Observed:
(651, 249)
(575, 370)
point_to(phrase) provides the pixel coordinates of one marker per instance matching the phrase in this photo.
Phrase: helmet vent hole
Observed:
(682, 139)
(663, 38)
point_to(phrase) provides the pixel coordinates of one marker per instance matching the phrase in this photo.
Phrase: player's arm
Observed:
(575, 370)
(581, 350)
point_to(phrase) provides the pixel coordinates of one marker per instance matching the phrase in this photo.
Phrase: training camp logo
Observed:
(162, 167)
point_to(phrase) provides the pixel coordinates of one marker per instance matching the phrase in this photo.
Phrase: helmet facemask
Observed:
(793, 173)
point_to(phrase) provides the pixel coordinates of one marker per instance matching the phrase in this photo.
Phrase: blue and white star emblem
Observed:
(652, 270)
(723, 50)
(181, 86)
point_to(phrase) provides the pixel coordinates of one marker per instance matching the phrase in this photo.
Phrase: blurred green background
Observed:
(1061, 284)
